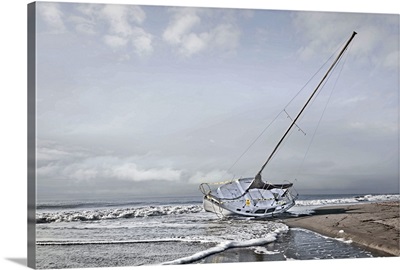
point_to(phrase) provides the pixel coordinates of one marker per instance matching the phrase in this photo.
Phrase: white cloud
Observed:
(121, 21)
(142, 41)
(190, 35)
(193, 43)
(49, 154)
(117, 25)
(180, 25)
(117, 19)
(353, 101)
(80, 174)
(53, 16)
(130, 171)
(47, 170)
(226, 36)
(115, 41)
(137, 14)
(88, 10)
(57, 162)
(210, 177)
(391, 60)
(386, 129)
(324, 32)
(83, 25)
(105, 167)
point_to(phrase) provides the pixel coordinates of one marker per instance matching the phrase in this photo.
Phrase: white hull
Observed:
(255, 202)
(214, 207)
(209, 206)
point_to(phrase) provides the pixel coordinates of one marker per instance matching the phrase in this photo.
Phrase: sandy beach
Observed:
(372, 225)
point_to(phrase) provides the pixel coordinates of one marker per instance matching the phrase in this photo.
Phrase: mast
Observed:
(258, 176)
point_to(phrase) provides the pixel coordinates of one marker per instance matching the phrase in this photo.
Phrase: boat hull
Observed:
(242, 197)
(213, 207)
(210, 205)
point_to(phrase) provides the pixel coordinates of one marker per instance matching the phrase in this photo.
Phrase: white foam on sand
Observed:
(264, 250)
(268, 238)
(347, 241)
(289, 259)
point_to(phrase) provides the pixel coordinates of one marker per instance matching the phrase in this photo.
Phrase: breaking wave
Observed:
(94, 214)
(104, 214)
(348, 200)
(122, 242)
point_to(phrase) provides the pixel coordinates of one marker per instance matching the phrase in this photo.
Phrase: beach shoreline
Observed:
(374, 226)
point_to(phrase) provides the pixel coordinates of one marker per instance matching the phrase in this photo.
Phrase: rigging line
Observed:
(294, 97)
(340, 63)
(312, 101)
(334, 68)
(276, 117)
(294, 172)
(323, 112)
(258, 175)
(315, 74)
(254, 141)
(317, 94)
(291, 119)
(284, 143)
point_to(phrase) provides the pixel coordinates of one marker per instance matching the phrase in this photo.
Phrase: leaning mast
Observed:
(258, 175)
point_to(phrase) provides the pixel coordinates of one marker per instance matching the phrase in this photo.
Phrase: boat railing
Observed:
(205, 189)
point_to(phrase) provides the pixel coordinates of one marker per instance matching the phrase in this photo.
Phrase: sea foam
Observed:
(268, 238)
(104, 214)
(349, 200)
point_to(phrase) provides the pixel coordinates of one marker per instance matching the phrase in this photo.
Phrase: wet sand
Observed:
(372, 225)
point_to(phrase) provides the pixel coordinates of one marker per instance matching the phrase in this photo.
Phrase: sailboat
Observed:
(253, 197)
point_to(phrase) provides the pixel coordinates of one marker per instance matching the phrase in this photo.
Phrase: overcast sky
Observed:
(151, 101)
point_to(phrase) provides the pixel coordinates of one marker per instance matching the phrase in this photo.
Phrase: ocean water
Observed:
(147, 231)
